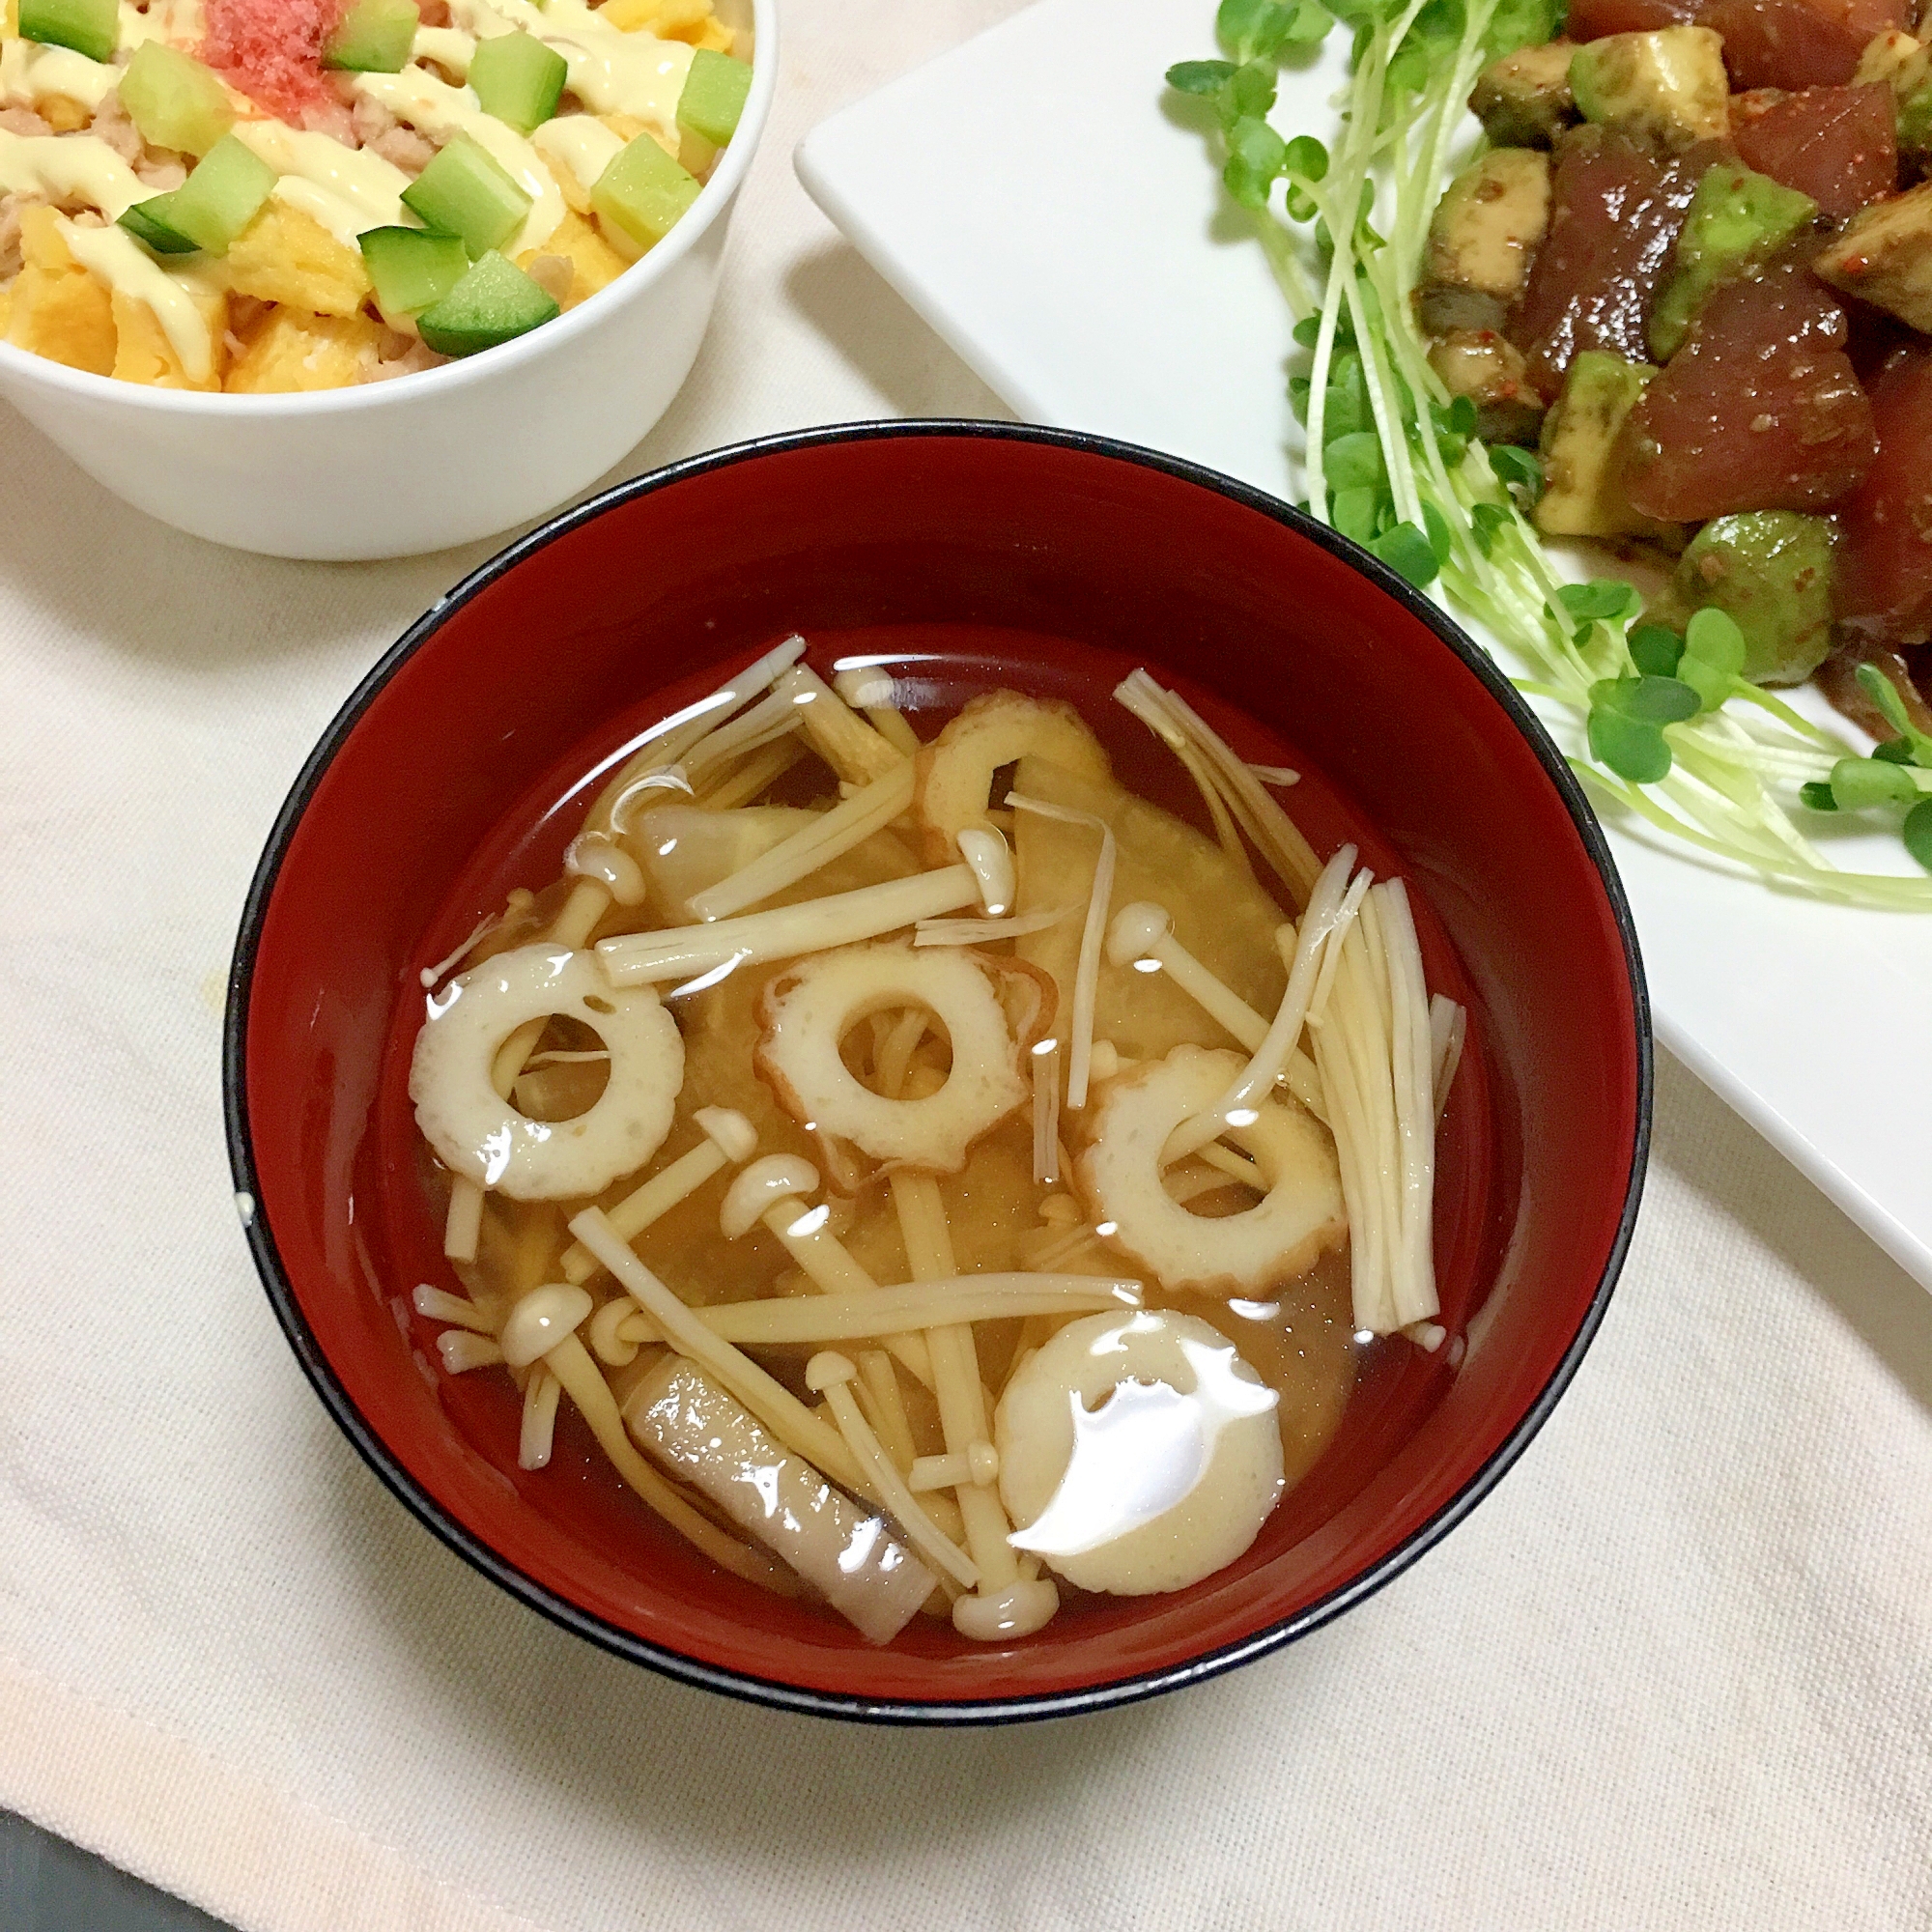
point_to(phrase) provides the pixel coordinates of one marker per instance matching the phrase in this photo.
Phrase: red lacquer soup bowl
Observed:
(972, 555)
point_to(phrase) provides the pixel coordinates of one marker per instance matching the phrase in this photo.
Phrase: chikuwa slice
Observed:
(1119, 1173)
(1137, 1452)
(806, 1012)
(478, 1134)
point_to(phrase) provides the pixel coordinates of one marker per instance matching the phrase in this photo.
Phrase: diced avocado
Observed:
(173, 101)
(643, 191)
(411, 269)
(1915, 122)
(466, 192)
(1894, 58)
(1523, 100)
(1490, 370)
(373, 36)
(518, 79)
(1736, 220)
(223, 194)
(1770, 571)
(493, 302)
(714, 95)
(1669, 84)
(147, 221)
(1487, 226)
(1582, 495)
(90, 27)
(1883, 255)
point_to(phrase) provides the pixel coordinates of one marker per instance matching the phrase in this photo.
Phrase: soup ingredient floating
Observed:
(919, 1215)
(1669, 296)
(255, 196)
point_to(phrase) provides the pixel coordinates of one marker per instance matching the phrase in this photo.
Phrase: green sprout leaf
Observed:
(1200, 76)
(1354, 460)
(1917, 833)
(1250, 91)
(1630, 748)
(1817, 794)
(1408, 552)
(1357, 512)
(1645, 699)
(1307, 157)
(1254, 161)
(1488, 520)
(1858, 784)
(1894, 751)
(1712, 637)
(1604, 599)
(1517, 468)
(1655, 649)
(1882, 692)
(1435, 527)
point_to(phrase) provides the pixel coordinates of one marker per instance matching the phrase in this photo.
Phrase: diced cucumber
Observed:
(643, 191)
(465, 193)
(175, 101)
(374, 37)
(518, 79)
(148, 221)
(412, 269)
(714, 95)
(219, 199)
(493, 302)
(90, 27)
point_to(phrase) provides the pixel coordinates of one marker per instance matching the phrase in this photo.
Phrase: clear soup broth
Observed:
(1343, 1399)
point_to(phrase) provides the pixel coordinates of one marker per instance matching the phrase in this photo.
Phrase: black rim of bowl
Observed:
(744, 1685)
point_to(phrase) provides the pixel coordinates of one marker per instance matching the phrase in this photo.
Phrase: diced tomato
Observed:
(1838, 145)
(1614, 211)
(1759, 411)
(1799, 43)
(1592, 19)
(1885, 563)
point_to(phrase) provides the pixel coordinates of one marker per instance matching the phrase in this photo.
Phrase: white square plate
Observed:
(1029, 196)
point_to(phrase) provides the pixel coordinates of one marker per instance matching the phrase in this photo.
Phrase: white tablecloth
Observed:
(1676, 1673)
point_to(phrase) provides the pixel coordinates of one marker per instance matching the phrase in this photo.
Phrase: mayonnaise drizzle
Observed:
(123, 264)
(610, 71)
(70, 167)
(578, 143)
(34, 73)
(179, 23)
(434, 107)
(347, 189)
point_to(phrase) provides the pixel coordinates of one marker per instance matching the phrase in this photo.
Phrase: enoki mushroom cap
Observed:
(1137, 929)
(729, 1132)
(477, 1133)
(1138, 1453)
(806, 1011)
(545, 1317)
(779, 1177)
(1119, 1173)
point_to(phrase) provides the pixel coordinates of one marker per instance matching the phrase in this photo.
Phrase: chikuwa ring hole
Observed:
(1208, 1192)
(897, 1052)
(565, 1074)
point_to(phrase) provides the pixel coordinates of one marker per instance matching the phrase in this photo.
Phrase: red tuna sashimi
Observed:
(1799, 43)
(1592, 19)
(1836, 144)
(1614, 211)
(1759, 411)
(1885, 563)
(272, 50)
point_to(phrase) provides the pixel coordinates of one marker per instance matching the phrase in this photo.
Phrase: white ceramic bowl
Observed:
(420, 462)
